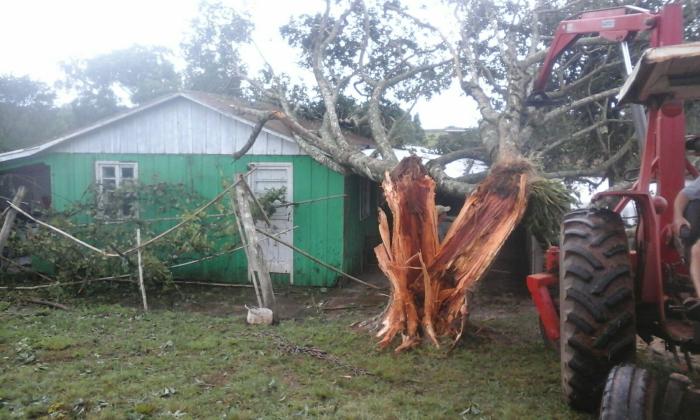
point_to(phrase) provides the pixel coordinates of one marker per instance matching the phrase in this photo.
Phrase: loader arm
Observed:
(617, 25)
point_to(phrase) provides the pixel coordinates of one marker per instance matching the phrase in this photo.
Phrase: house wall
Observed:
(181, 141)
(320, 224)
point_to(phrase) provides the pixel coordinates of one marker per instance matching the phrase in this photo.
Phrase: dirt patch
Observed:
(485, 306)
(215, 379)
(59, 356)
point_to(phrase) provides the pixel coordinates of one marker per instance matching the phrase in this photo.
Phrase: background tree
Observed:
(27, 112)
(213, 61)
(353, 118)
(109, 82)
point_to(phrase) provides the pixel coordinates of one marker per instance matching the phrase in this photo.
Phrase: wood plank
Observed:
(253, 251)
(10, 217)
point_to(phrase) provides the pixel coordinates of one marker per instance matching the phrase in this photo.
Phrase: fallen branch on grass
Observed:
(317, 261)
(430, 279)
(342, 308)
(206, 283)
(46, 303)
(123, 278)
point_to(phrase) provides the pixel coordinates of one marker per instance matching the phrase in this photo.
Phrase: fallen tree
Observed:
(431, 279)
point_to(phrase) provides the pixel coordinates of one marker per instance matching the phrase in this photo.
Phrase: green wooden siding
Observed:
(327, 229)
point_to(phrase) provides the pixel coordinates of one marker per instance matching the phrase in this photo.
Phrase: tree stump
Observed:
(430, 278)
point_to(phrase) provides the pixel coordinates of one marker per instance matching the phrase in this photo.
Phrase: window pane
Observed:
(108, 172)
(128, 172)
(109, 184)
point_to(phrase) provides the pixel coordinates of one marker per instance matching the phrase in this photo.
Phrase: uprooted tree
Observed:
(377, 52)
(382, 51)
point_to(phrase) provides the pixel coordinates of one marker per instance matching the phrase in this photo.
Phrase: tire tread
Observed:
(597, 304)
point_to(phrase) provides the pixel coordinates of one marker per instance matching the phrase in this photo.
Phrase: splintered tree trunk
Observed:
(430, 279)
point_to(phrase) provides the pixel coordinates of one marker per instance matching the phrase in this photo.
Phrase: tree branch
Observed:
(254, 135)
(599, 170)
(476, 153)
(579, 103)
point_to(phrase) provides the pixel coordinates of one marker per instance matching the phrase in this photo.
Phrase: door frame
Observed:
(289, 166)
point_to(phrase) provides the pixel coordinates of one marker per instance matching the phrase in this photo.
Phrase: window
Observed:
(115, 198)
(365, 198)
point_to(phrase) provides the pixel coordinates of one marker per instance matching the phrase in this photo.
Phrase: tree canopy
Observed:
(213, 61)
(107, 83)
(389, 50)
(27, 112)
(370, 62)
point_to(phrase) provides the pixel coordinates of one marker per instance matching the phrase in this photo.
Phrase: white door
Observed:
(278, 257)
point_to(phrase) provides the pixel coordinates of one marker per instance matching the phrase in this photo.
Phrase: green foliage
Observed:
(56, 343)
(27, 113)
(403, 129)
(141, 73)
(151, 208)
(548, 202)
(269, 201)
(111, 225)
(447, 142)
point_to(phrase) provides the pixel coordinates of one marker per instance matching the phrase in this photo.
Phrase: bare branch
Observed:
(327, 93)
(318, 155)
(397, 123)
(599, 170)
(538, 56)
(473, 178)
(375, 114)
(577, 135)
(253, 135)
(476, 153)
(585, 79)
(578, 103)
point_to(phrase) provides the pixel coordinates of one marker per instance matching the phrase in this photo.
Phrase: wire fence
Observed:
(182, 222)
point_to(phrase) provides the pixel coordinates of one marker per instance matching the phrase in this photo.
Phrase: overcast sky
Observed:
(37, 35)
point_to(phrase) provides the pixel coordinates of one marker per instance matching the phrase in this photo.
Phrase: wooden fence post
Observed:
(10, 217)
(140, 263)
(249, 237)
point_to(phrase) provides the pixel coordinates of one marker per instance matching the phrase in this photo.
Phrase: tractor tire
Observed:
(629, 393)
(596, 304)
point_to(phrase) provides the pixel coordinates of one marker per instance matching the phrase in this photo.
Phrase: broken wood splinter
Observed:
(429, 297)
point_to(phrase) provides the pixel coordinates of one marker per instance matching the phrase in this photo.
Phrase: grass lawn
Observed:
(112, 361)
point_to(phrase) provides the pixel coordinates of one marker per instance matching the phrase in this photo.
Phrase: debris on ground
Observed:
(285, 346)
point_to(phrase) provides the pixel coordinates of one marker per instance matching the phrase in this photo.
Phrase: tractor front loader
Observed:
(608, 294)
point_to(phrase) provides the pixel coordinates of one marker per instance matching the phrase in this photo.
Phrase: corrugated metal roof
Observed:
(221, 104)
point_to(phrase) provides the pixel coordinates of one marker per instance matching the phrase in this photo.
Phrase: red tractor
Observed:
(609, 294)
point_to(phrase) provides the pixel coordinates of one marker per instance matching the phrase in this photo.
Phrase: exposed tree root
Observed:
(431, 279)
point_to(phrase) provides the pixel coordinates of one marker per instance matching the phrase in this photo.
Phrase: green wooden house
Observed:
(189, 138)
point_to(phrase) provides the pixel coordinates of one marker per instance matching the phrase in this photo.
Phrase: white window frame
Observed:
(118, 180)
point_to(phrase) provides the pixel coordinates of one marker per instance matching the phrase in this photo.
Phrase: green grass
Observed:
(108, 361)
